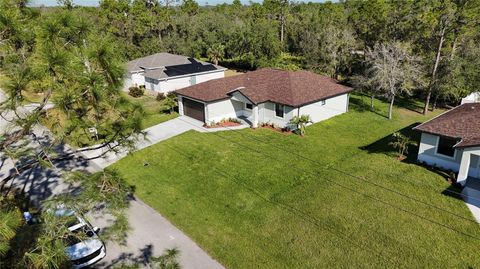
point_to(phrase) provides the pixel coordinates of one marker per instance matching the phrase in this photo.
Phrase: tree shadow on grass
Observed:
(383, 146)
(359, 103)
(407, 103)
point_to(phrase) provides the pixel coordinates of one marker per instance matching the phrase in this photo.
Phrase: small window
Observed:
(323, 102)
(279, 110)
(445, 146)
(248, 106)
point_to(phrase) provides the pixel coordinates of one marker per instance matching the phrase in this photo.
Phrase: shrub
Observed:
(169, 104)
(172, 95)
(235, 120)
(301, 122)
(135, 92)
(401, 143)
(160, 97)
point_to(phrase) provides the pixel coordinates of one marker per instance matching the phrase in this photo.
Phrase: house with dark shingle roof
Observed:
(265, 96)
(452, 141)
(165, 72)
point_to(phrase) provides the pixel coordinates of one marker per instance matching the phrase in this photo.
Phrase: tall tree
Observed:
(393, 70)
(81, 75)
(278, 10)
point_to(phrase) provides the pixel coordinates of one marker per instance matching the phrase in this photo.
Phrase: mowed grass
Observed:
(154, 110)
(251, 198)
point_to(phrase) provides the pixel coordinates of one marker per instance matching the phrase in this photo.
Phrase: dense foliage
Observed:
(329, 38)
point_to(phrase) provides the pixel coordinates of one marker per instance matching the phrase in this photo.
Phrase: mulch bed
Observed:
(222, 124)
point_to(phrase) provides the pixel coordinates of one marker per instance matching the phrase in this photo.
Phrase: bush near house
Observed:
(253, 204)
(135, 91)
(160, 97)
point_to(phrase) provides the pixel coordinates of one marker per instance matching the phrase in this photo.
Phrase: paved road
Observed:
(151, 233)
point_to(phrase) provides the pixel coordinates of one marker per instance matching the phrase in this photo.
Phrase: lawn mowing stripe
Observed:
(306, 217)
(355, 191)
(364, 179)
(425, 253)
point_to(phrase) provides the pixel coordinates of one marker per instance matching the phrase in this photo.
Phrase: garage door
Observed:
(194, 109)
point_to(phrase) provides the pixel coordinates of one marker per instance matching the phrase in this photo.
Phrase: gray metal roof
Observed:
(165, 65)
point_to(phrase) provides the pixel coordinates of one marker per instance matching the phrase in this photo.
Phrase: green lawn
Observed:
(153, 109)
(250, 201)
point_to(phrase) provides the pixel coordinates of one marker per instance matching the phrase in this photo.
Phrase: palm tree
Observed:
(216, 53)
(401, 143)
(301, 122)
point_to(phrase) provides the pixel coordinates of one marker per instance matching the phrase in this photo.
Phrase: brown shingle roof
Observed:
(293, 88)
(462, 122)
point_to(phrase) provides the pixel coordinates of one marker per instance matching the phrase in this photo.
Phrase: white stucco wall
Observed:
(172, 84)
(138, 79)
(222, 109)
(470, 163)
(472, 98)
(266, 113)
(427, 153)
(133, 79)
(333, 106)
(209, 76)
(169, 85)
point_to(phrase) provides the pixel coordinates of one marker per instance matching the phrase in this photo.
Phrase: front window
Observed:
(279, 110)
(445, 146)
(248, 106)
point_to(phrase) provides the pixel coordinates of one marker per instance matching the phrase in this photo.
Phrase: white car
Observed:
(82, 252)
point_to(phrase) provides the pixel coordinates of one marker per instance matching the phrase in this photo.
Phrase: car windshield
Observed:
(78, 235)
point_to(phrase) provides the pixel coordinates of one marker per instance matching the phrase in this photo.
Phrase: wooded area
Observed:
(328, 38)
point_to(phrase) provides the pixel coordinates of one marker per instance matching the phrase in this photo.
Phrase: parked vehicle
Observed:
(84, 247)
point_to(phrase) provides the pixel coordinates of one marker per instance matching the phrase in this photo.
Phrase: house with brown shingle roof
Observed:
(265, 96)
(165, 72)
(452, 141)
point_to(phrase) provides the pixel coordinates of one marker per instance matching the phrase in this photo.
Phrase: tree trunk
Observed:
(390, 108)
(435, 99)
(434, 72)
(282, 26)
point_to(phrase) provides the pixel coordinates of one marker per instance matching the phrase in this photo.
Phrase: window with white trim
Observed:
(279, 110)
(445, 146)
(248, 106)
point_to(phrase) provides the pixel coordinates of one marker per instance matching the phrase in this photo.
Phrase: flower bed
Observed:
(274, 127)
(230, 122)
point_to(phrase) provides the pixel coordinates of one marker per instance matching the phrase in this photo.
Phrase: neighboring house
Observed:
(165, 72)
(472, 98)
(452, 141)
(265, 96)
